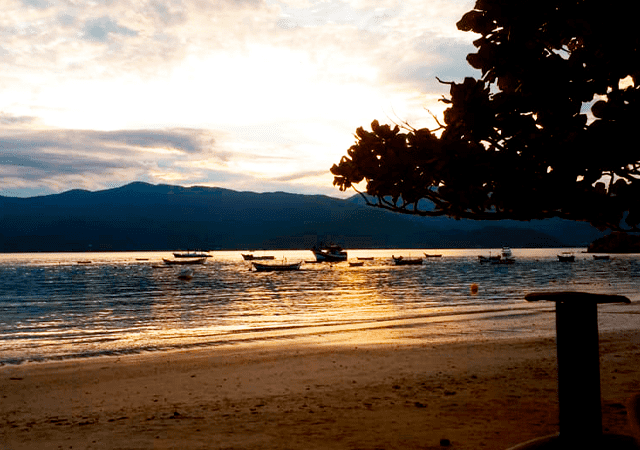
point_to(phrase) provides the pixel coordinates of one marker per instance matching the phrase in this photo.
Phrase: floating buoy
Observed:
(474, 289)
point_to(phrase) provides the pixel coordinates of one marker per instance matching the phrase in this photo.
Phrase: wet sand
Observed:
(471, 395)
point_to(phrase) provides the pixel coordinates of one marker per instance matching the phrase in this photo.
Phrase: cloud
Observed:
(46, 155)
(431, 56)
(99, 30)
(9, 119)
(40, 4)
(107, 90)
(301, 176)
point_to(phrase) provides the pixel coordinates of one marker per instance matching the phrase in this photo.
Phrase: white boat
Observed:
(566, 257)
(506, 257)
(329, 253)
(192, 255)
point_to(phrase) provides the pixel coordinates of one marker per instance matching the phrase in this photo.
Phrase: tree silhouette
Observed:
(549, 130)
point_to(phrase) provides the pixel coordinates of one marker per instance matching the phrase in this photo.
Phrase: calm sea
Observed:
(59, 305)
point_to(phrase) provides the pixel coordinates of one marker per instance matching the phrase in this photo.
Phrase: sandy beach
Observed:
(480, 395)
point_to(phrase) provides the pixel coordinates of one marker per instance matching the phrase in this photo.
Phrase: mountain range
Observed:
(141, 216)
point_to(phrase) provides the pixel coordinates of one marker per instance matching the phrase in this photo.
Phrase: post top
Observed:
(575, 297)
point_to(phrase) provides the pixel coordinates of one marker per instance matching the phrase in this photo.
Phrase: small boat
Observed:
(192, 255)
(365, 258)
(401, 261)
(252, 257)
(283, 267)
(601, 257)
(566, 257)
(356, 263)
(185, 261)
(427, 255)
(142, 259)
(490, 258)
(506, 257)
(329, 253)
(85, 261)
(185, 274)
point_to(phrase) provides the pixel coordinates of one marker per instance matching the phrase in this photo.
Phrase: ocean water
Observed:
(60, 306)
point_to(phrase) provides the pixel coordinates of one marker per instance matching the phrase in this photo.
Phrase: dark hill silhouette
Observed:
(141, 216)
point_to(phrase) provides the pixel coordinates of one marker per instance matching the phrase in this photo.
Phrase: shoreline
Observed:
(487, 394)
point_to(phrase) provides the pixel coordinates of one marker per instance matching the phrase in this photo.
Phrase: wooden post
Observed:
(578, 363)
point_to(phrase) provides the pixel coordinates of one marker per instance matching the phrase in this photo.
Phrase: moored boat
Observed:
(192, 255)
(401, 261)
(329, 253)
(431, 255)
(252, 257)
(356, 263)
(184, 261)
(566, 257)
(506, 257)
(281, 267)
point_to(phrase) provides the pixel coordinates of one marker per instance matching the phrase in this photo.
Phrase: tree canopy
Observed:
(547, 131)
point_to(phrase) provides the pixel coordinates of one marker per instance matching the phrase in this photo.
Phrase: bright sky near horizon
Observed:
(255, 95)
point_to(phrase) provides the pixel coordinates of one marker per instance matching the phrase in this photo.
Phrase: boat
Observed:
(365, 258)
(252, 257)
(427, 255)
(282, 267)
(503, 261)
(490, 258)
(401, 261)
(566, 257)
(185, 261)
(329, 253)
(84, 261)
(506, 257)
(192, 255)
(356, 263)
(602, 257)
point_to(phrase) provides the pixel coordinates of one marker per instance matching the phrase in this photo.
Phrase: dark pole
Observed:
(578, 363)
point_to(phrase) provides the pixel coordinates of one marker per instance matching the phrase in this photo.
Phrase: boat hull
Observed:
(179, 262)
(276, 267)
(329, 253)
(330, 257)
(407, 261)
(251, 257)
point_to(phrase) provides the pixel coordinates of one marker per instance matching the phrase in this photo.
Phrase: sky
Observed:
(250, 95)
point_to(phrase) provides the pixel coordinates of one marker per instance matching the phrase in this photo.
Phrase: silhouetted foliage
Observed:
(549, 130)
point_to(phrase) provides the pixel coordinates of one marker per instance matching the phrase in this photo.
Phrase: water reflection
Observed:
(51, 306)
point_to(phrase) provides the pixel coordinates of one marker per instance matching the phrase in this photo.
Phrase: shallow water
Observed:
(55, 305)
